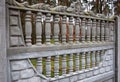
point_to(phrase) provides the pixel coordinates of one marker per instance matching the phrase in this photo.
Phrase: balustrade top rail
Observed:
(60, 13)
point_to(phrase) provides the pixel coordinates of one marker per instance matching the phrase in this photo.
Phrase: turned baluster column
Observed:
(93, 59)
(98, 58)
(88, 60)
(102, 30)
(56, 66)
(48, 67)
(83, 29)
(64, 64)
(83, 60)
(39, 65)
(77, 30)
(48, 28)
(56, 29)
(77, 61)
(102, 56)
(94, 30)
(39, 29)
(89, 24)
(107, 31)
(71, 30)
(64, 29)
(71, 63)
(98, 30)
(28, 28)
(111, 27)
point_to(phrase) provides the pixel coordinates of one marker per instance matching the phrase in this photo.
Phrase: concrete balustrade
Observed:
(51, 30)
(52, 45)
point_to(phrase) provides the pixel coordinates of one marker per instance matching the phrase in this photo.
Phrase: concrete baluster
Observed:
(64, 64)
(83, 29)
(98, 58)
(98, 30)
(39, 28)
(102, 56)
(77, 30)
(94, 30)
(83, 60)
(111, 27)
(48, 28)
(89, 25)
(88, 60)
(71, 30)
(64, 29)
(56, 29)
(103, 31)
(93, 59)
(77, 61)
(107, 31)
(48, 67)
(71, 63)
(28, 28)
(56, 66)
(39, 65)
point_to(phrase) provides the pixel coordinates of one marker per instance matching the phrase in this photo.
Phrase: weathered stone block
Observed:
(16, 75)
(19, 65)
(24, 80)
(15, 41)
(13, 20)
(102, 70)
(27, 73)
(111, 67)
(14, 12)
(107, 68)
(34, 79)
(110, 62)
(73, 78)
(96, 71)
(43, 80)
(15, 30)
(89, 74)
(82, 76)
(64, 80)
(56, 81)
(105, 64)
(107, 58)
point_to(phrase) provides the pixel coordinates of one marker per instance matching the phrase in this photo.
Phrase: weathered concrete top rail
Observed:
(60, 13)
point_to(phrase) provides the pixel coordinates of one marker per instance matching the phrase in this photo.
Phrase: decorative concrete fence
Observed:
(67, 47)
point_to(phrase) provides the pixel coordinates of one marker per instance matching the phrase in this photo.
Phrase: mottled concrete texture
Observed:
(3, 77)
(118, 44)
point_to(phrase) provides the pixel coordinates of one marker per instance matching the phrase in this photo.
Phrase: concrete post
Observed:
(3, 60)
(118, 50)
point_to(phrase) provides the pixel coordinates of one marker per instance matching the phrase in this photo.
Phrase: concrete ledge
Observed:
(25, 53)
(34, 48)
